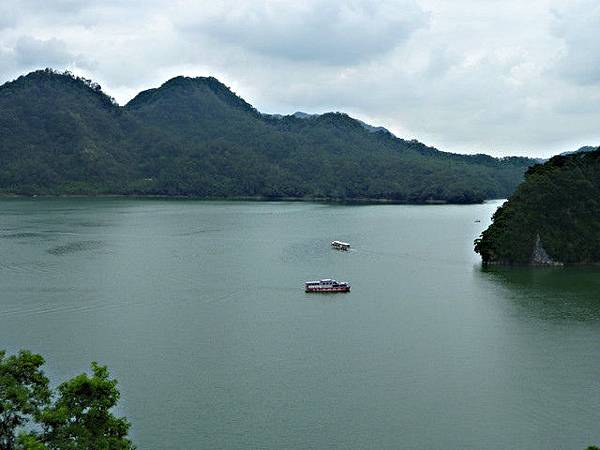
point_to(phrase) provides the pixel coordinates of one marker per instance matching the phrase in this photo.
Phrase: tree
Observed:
(75, 417)
(29, 441)
(557, 207)
(24, 393)
(81, 418)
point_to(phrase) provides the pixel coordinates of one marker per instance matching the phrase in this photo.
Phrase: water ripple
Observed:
(74, 247)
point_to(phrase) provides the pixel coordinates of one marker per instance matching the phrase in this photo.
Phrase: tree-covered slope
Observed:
(559, 201)
(59, 133)
(193, 136)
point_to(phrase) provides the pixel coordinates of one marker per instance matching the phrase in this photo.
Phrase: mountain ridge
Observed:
(194, 136)
(182, 82)
(584, 149)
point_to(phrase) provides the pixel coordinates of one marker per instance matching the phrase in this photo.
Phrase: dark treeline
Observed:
(559, 201)
(60, 134)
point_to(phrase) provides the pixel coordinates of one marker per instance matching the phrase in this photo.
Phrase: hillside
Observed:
(553, 217)
(60, 134)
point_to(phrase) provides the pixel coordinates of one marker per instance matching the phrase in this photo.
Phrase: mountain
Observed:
(584, 149)
(371, 128)
(58, 132)
(303, 115)
(61, 134)
(552, 218)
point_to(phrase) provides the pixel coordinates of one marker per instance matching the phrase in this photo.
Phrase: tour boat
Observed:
(339, 245)
(327, 285)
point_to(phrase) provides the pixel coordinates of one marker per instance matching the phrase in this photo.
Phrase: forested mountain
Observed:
(553, 217)
(60, 134)
(584, 149)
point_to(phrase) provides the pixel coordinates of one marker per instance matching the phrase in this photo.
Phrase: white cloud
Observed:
(502, 77)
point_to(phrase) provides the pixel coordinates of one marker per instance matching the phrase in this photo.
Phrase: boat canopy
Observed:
(340, 244)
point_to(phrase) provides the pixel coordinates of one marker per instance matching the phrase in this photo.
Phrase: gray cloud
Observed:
(320, 30)
(503, 77)
(578, 26)
(7, 16)
(53, 52)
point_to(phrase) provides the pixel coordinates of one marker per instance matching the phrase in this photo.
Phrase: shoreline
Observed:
(356, 201)
(557, 265)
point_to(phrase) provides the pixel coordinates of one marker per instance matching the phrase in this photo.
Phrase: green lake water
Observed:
(199, 311)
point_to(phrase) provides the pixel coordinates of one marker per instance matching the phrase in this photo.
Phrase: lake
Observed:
(198, 309)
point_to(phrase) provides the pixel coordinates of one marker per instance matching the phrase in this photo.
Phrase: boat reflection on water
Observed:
(549, 292)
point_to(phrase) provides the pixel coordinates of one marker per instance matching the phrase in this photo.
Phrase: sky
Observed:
(503, 77)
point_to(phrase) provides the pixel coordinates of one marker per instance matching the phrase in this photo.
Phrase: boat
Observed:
(339, 245)
(327, 285)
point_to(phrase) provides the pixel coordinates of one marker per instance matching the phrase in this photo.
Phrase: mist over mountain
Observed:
(61, 134)
(584, 149)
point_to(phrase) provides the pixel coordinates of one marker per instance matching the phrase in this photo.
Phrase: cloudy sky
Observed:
(495, 76)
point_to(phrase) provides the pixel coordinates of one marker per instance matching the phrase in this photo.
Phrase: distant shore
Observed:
(358, 201)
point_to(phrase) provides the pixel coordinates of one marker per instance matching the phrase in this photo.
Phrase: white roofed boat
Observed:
(327, 285)
(339, 245)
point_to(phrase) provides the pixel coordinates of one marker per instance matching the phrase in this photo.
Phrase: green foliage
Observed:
(24, 393)
(80, 418)
(560, 202)
(29, 441)
(194, 137)
(77, 416)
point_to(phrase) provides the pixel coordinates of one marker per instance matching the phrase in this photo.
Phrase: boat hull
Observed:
(329, 289)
